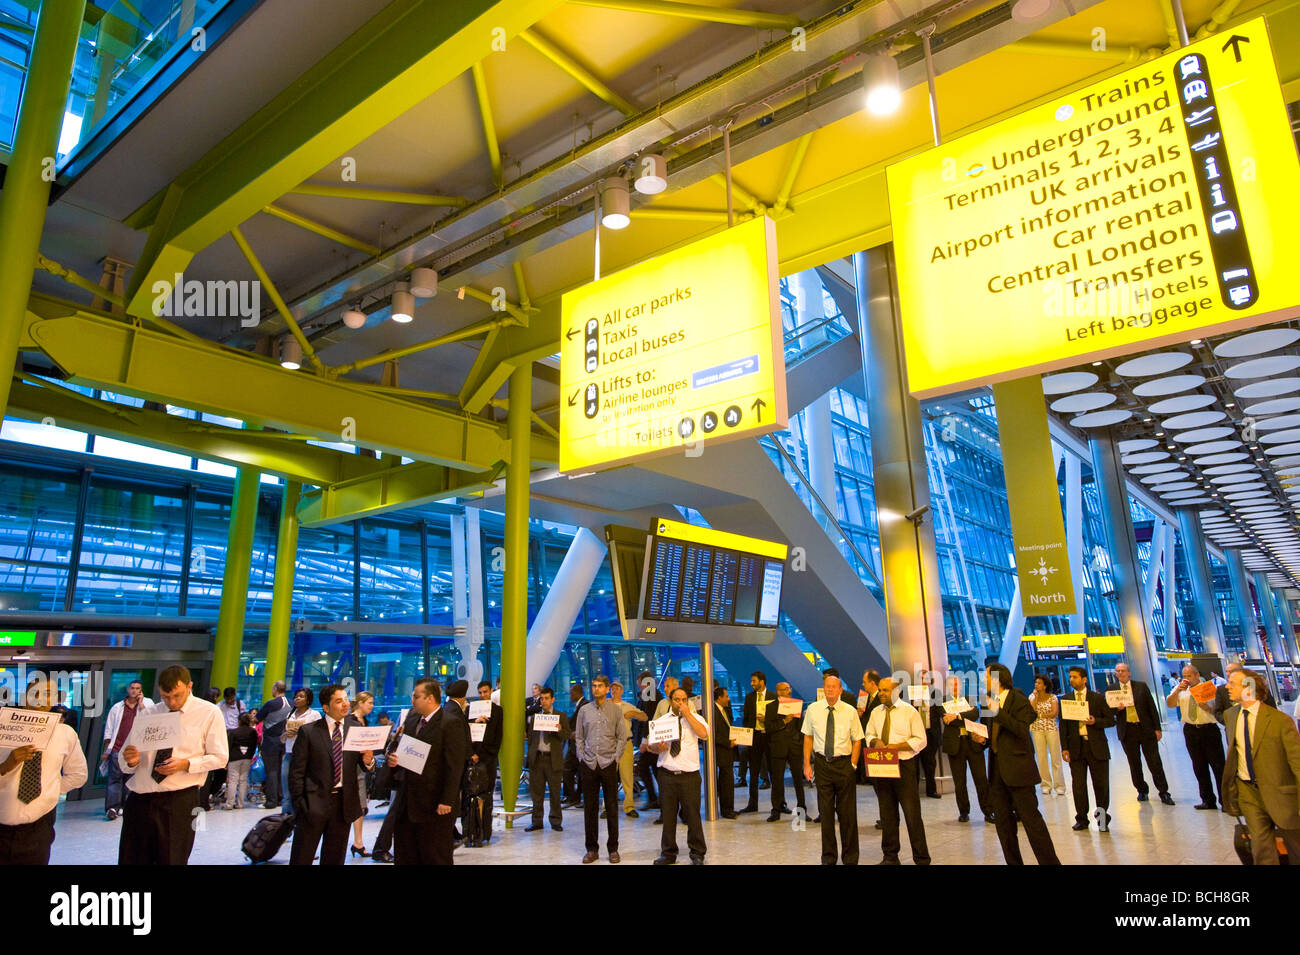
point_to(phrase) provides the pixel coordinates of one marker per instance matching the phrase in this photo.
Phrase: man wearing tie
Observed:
(546, 761)
(679, 781)
(323, 783)
(1013, 774)
(425, 836)
(784, 748)
(965, 750)
(487, 750)
(31, 781)
(930, 714)
(1262, 768)
(1138, 729)
(1201, 736)
(755, 717)
(895, 726)
(163, 792)
(832, 743)
(724, 753)
(1085, 748)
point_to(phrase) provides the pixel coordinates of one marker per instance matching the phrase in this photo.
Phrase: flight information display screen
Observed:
(705, 581)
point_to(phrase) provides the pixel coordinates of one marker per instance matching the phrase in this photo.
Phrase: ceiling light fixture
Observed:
(653, 177)
(403, 304)
(424, 283)
(290, 353)
(615, 203)
(881, 85)
(1027, 11)
(354, 318)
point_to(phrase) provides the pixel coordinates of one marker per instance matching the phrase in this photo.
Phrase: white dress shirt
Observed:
(311, 716)
(688, 760)
(848, 726)
(1253, 710)
(114, 720)
(231, 713)
(63, 768)
(905, 726)
(202, 742)
(1192, 712)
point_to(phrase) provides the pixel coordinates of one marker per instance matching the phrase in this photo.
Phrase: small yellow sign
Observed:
(1146, 209)
(674, 352)
(680, 530)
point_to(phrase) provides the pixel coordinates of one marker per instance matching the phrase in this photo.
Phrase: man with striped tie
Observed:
(323, 783)
(31, 781)
(679, 780)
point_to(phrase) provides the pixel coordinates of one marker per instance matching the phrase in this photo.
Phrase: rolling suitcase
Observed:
(267, 836)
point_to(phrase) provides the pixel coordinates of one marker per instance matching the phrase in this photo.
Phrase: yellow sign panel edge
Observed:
(680, 530)
(780, 413)
(1267, 318)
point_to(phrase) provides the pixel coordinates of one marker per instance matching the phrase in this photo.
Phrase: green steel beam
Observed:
(118, 357)
(392, 489)
(393, 62)
(229, 637)
(286, 560)
(514, 587)
(265, 450)
(30, 171)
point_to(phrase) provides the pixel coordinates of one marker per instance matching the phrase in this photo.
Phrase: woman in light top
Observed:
(302, 714)
(361, 707)
(1047, 738)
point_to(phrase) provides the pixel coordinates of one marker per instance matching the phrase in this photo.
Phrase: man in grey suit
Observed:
(1261, 769)
(546, 761)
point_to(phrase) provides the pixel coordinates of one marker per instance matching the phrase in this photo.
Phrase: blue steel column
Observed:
(1288, 626)
(1245, 606)
(1198, 571)
(1265, 596)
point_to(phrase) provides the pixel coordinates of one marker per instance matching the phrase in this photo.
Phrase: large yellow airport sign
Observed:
(674, 352)
(1150, 208)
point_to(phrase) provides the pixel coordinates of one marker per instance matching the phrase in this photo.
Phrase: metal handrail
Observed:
(767, 440)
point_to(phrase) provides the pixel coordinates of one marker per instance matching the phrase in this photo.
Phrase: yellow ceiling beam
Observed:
(393, 62)
(696, 11)
(566, 62)
(377, 195)
(311, 225)
(391, 489)
(469, 331)
(274, 293)
(489, 127)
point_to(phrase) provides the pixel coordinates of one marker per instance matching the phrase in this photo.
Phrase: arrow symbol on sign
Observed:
(1235, 41)
(570, 333)
(573, 398)
(757, 407)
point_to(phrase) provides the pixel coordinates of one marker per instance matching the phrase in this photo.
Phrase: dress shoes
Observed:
(1167, 799)
(697, 860)
(991, 819)
(615, 858)
(632, 814)
(1206, 805)
(557, 828)
(818, 819)
(750, 809)
(933, 796)
(590, 857)
(379, 855)
(665, 860)
(533, 828)
(963, 818)
(734, 815)
(774, 816)
(1143, 797)
(660, 820)
(1080, 825)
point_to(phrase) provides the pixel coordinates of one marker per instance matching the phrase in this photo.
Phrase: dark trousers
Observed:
(681, 792)
(542, 776)
(645, 771)
(572, 777)
(726, 765)
(596, 780)
(778, 764)
(158, 828)
(1205, 747)
(929, 759)
(1135, 750)
(28, 843)
(384, 841)
(1080, 768)
(902, 792)
(272, 757)
(430, 842)
(476, 811)
(967, 758)
(837, 797)
(759, 765)
(1024, 800)
(330, 832)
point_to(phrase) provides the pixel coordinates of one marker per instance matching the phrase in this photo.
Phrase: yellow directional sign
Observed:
(1146, 209)
(674, 352)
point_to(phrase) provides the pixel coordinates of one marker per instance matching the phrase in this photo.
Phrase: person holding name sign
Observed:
(724, 753)
(679, 780)
(1013, 774)
(33, 776)
(784, 748)
(1084, 746)
(546, 739)
(965, 751)
(832, 743)
(485, 751)
(429, 793)
(896, 726)
(1137, 724)
(163, 792)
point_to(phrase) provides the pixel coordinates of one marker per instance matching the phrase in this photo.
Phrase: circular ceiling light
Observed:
(1168, 386)
(1136, 444)
(615, 203)
(1159, 363)
(1165, 478)
(1281, 421)
(1027, 11)
(1144, 457)
(354, 318)
(1268, 389)
(1222, 458)
(1088, 401)
(1257, 342)
(1281, 437)
(1181, 403)
(1177, 486)
(1212, 447)
(1283, 449)
(290, 353)
(1274, 406)
(652, 174)
(1153, 468)
(880, 84)
(1196, 419)
(1100, 419)
(424, 283)
(1268, 367)
(1068, 381)
(1202, 434)
(403, 304)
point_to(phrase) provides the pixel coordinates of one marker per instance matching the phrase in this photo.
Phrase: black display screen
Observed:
(697, 583)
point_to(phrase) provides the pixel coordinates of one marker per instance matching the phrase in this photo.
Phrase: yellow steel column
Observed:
(286, 558)
(514, 607)
(234, 583)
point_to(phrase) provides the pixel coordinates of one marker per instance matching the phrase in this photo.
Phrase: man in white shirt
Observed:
(679, 781)
(31, 782)
(1201, 736)
(832, 742)
(163, 791)
(895, 726)
(117, 727)
(1261, 768)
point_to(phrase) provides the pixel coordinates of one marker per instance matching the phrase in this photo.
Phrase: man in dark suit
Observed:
(868, 700)
(1138, 729)
(1013, 774)
(932, 720)
(1262, 768)
(323, 783)
(424, 834)
(647, 700)
(724, 753)
(486, 751)
(785, 749)
(572, 791)
(755, 717)
(546, 761)
(1086, 749)
(963, 752)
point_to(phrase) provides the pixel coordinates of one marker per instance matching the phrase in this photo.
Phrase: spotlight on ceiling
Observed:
(881, 85)
(354, 318)
(290, 353)
(403, 304)
(424, 283)
(653, 176)
(615, 203)
(1027, 11)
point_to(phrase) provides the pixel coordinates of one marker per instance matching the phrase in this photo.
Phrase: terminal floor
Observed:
(1147, 833)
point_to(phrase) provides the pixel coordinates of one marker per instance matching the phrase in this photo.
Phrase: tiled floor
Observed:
(1141, 833)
